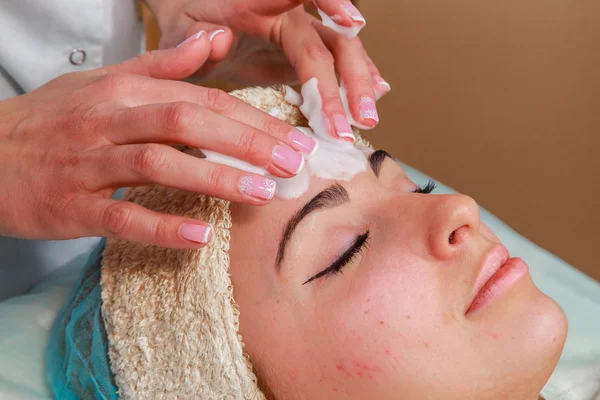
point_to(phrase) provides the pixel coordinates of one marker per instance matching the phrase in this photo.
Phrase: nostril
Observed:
(452, 238)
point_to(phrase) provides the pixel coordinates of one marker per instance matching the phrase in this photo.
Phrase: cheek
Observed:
(487, 233)
(385, 322)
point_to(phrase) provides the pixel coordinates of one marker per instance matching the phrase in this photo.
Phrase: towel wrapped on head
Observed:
(169, 315)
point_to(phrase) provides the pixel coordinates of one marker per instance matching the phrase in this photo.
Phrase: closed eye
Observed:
(430, 187)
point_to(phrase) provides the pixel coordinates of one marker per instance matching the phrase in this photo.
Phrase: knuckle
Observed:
(178, 116)
(112, 84)
(333, 105)
(148, 160)
(117, 218)
(250, 144)
(343, 43)
(218, 180)
(317, 52)
(218, 100)
(364, 82)
(162, 231)
(276, 128)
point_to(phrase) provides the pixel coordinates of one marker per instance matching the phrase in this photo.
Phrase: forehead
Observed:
(275, 214)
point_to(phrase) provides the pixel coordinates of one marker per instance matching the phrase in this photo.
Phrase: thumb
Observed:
(176, 63)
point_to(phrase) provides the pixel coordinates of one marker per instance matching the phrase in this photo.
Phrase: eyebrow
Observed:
(331, 197)
(376, 159)
(335, 195)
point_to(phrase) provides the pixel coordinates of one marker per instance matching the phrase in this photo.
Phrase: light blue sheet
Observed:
(26, 320)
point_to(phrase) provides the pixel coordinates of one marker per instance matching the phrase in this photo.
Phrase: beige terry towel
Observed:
(171, 320)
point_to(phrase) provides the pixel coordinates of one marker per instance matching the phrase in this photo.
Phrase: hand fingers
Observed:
(342, 12)
(176, 63)
(355, 73)
(195, 126)
(382, 87)
(221, 39)
(132, 222)
(135, 165)
(226, 109)
(311, 59)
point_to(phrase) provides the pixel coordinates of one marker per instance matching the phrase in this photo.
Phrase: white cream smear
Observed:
(332, 158)
(349, 32)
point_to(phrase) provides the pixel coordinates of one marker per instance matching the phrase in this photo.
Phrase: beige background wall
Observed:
(500, 100)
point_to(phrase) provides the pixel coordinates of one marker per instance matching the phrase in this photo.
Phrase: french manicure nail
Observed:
(302, 142)
(287, 159)
(382, 82)
(192, 38)
(342, 127)
(259, 187)
(351, 11)
(196, 233)
(215, 33)
(367, 109)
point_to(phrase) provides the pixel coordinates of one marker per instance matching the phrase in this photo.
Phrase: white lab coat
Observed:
(40, 40)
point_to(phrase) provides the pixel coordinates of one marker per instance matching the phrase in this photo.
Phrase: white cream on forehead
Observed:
(333, 158)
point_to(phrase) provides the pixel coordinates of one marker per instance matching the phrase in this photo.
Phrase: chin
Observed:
(528, 329)
(544, 332)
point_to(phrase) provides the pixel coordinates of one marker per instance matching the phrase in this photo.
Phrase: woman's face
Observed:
(364, 289)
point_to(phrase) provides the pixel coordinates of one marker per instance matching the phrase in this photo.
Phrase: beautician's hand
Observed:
(66, 147)
(259, 41)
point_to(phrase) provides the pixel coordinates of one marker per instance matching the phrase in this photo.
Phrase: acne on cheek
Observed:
(356, 368)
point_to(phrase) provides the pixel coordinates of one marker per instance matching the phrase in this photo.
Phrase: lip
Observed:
(498, 274)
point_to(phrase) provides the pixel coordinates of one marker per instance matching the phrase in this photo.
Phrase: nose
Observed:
(454, 219)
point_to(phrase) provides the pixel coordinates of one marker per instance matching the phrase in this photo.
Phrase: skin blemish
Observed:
(356, 335)
(408, 316)
(381, 322)
(388, 352)
(428, 344)
(364, 369)
(366, 312)
(554, 339)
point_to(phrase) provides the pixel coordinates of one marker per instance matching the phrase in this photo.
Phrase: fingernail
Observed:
(196, 233)
(192, 38)
(342, 127)
(215, 33)
(382, 82)
(254, 186)
(353, 12)
(287, 159)
(302, 142)
(367, 109)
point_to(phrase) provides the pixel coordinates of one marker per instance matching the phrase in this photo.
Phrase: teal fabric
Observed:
(77, 360)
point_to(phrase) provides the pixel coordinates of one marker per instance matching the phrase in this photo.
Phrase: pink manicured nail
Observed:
(196, 233)
(192, 38)
(301, 142)
(351, 11)
(215, 33)
(342, 127)
(287, 159)
(382, 82)
(259, 187)
(367, 109)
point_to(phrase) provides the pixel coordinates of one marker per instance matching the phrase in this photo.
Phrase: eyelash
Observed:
(360, 244)
(430, 187)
